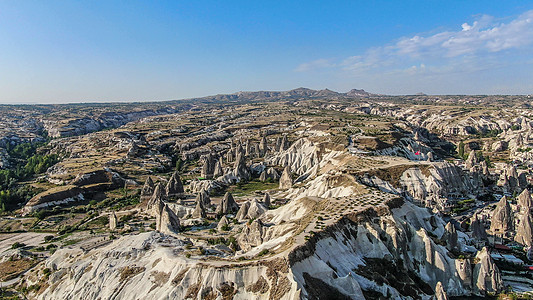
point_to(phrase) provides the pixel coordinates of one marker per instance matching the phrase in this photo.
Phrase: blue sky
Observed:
(94, 51)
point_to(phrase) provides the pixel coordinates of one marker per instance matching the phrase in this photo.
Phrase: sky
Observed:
(103, 51)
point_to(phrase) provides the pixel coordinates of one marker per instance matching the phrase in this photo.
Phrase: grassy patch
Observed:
(251, 186)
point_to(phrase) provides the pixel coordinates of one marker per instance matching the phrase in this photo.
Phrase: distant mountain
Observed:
(296, 94)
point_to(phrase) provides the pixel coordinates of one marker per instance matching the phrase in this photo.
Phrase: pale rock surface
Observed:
(199, 210)
(167, 221)
(285, 181)
(450, 237)
(478, 229)
(174, 186)
(300, 157)
(148, 188)
(502, 217)
(266, 200)
(525, 201)
(524, 230)
(440, 294)
(227, 205)
(112, 221)
(223, 221)
(203, 197)
(487, 276)
(251, 236)
(250, 210)
(269, 173)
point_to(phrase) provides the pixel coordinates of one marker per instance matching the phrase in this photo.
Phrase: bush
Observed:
(16, 245)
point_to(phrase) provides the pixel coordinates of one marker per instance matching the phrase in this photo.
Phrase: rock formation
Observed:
(285, 181)
(148, 188)
(430, 156)
(525, 202)
(263, 147)
(174, 186)
(472, 160)
(284, 145)
(218, 169)
(112, 221)
(478, 229)
(250, 210)
(487, 277)
(240, 169)
(251, 236)
(270, 174)
(199, 210)
(167, 221)
(266, 200)
(204, 198)
(502, 218)
(222, 223)
(153, 206)
(524, 230)
(208, 167)
(227, 206)
(450, 236)
(440, 294)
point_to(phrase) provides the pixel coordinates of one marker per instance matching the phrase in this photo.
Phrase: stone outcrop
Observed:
(525, 202)
(203, 197)
(524, 230)
(218, 171)
(167, 221)
(285, 181)
(487, 278)
(208, 167)
(301, 157)
(263, 146)
(440, 294)
(227, 205)
(266, 200)
(502, 217)
(251, 236)
(60, 195)
(104, 177)
(240, 169)
(199, 210)
(112, 221)
(510, 181)
(250, 210)
(153, 206)
(222, 223)
(432, 185)
(284, 144)
(478, 229)
(148, 188)
(450, 236)
(269, 174)
(174, 186)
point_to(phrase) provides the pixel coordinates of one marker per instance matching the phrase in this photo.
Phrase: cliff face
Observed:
(79, 126)
(392, 254)
(430, 183)
(389, 251)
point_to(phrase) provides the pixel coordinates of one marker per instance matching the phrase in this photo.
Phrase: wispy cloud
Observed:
(316, 64)
(465, 49)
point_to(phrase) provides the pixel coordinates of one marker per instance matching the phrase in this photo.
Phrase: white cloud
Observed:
(313, 65)
(464, 49)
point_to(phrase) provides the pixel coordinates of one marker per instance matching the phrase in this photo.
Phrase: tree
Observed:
(461, 149)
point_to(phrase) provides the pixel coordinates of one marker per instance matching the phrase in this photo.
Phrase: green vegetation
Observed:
(461, 149)
(25, 162)
(17, 245)
(246, 188)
